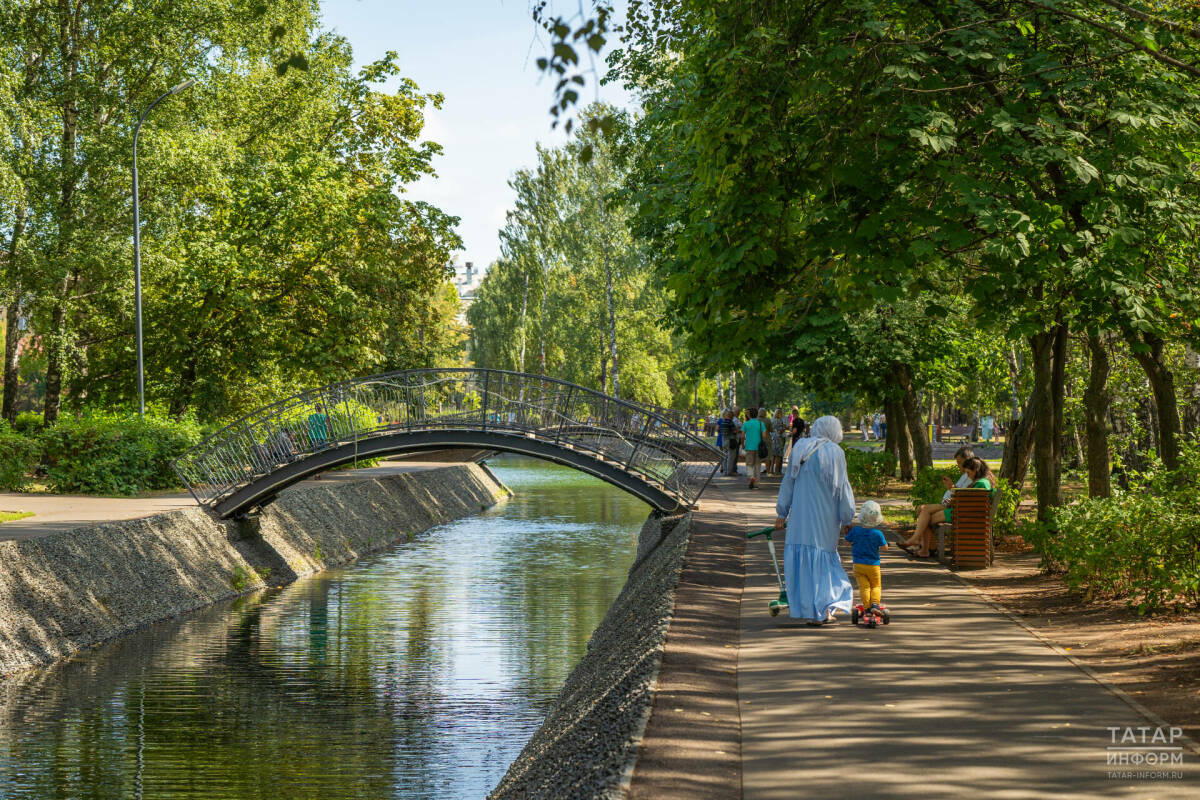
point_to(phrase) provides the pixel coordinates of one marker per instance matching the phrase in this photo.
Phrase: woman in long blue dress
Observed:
(815, 503)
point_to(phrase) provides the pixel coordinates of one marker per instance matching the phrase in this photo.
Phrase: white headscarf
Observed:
(826, 430)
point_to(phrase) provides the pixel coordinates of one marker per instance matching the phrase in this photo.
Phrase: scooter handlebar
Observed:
(768, 531)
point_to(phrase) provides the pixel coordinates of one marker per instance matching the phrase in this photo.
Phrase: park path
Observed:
(953, 699)
(53, 513)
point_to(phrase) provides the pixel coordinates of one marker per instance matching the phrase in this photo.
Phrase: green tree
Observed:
(1007, 155)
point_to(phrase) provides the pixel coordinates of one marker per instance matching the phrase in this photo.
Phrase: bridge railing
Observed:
(636, 439)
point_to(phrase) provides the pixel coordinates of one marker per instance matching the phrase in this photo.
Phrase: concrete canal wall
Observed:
(589, 742)
(72, 590)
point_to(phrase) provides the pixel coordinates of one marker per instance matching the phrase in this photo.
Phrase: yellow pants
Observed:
(870, 583)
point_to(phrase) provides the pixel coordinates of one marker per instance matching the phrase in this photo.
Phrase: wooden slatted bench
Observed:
(970, 537)
(958, 433)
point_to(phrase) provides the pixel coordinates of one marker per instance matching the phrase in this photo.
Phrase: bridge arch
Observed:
(246, 464)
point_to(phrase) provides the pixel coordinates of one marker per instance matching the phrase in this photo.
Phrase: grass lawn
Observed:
(9, 516)
(898, 516)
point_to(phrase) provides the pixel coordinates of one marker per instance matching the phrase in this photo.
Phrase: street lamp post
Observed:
(137, 245)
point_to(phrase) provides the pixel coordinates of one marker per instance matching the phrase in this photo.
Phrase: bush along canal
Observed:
(417, 672)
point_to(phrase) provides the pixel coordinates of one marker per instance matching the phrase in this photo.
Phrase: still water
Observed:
(418, 672)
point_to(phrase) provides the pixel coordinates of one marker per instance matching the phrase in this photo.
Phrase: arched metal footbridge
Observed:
(246, 464)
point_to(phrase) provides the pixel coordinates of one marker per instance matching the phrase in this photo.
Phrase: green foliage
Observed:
(115, 454)
(19, 455)
(918, 187)
(928, 487)
(243, 577)
(1007, 498)
(868, 472)
(279, 250)
(573, 286)
(28, 423)
(1142, 544)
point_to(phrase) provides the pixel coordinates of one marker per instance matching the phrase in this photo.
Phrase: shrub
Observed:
(1142, 544)
(868, 472)
(19, 455)
(1007, 498)
(29, 423)
(115, 454)
(927, 485)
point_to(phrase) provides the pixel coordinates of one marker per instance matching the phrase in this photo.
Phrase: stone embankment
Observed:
(589, 743)
(69, 591)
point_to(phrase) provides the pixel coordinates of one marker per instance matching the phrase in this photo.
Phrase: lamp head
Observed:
(185, 85)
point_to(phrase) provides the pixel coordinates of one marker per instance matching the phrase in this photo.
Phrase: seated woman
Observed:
(926, 512)
(980, 477)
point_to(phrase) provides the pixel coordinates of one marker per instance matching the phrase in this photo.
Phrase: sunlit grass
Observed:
(9, 516)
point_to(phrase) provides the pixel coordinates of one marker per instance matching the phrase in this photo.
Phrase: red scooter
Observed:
(871, 616)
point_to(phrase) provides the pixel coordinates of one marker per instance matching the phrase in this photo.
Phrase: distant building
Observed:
(466, 282)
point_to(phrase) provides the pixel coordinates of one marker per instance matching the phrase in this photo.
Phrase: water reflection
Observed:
(416, 673)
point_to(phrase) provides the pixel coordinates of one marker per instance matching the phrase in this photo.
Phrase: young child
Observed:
(866, 540)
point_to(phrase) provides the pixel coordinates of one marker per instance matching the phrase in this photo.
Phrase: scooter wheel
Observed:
(887, 618)
(774, 611)
(871, 623)
(854, 616)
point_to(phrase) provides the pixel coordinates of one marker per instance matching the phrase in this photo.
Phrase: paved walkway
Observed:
(953, 699)
(53, 513)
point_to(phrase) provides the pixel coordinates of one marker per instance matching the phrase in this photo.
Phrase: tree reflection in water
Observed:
(418, 672)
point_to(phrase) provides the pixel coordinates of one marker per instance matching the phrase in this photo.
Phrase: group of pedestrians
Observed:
(765, 439)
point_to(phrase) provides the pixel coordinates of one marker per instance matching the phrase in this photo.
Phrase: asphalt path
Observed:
(953, 699)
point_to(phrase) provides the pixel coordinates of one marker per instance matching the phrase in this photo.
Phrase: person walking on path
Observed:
(754, 431)
(798, 430)
(318, 428)
(866, 540)
(815, 504)
(987, 426)
(779, 438)
(727, 432)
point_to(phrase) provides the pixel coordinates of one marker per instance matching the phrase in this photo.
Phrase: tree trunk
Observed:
(1058, 385)
(55, 347)
(1018, 447)
(897, 433)
(56, 342)
(891, 442)
(1014, 380)
(542, 321)
(922, 453)
(12, 342)
(612, 324)
(524, 313)
(1096, 401)
(1047, 429)
(187, 388)
(1190, 413)
(1148, 350)
(1077, 441)
(12, 333)
(755, 379)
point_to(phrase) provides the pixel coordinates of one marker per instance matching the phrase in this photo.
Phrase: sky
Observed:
(482, 55)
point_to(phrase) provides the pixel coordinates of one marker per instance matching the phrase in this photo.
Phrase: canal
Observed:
(418, 672)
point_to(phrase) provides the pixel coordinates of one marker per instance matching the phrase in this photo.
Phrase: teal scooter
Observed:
(775, 606)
